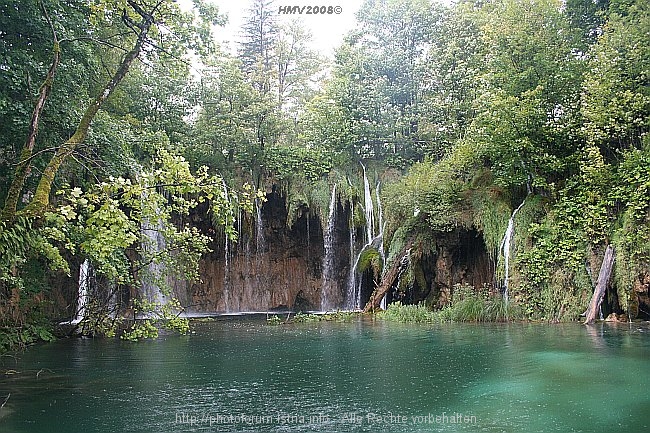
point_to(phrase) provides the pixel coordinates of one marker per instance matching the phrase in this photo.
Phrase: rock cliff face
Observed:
(277, 269)
(640, 302)
(276, 266)
(283, 270)
(286, 271)
(458, 257)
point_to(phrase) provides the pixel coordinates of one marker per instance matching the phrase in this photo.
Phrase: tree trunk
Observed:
(398, 266)
(601, 285)
(42, 195)
(23, 165)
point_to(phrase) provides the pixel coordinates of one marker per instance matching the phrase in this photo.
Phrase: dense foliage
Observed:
(122, 116)
(560, 121)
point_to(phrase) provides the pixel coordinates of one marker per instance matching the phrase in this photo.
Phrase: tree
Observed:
(42, 195)
(528, 111)
(138, 19)
(157, 97)
(616, 102)
(588, 15)
(378, 78)
(451, 75)
(224, 134)
(257, 49)
(127, 30)
(31, 49)
(297, 65)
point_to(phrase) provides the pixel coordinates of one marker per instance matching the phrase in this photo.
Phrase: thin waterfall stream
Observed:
(328, 283)
(506, 247)
(153, 242)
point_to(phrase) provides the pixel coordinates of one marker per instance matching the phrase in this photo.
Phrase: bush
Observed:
(166, 317)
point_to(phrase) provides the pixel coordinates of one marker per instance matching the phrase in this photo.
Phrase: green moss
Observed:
(632, 259)
(338, 316)
(491, 213)
(370, 259)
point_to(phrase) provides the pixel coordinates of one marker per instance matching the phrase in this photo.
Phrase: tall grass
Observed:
(397, 312)
(469, 308)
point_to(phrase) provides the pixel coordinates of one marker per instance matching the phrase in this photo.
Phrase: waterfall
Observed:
(84, 286)
(352, 297)
(380, 233)
(329, 286)
(506, 247)
(152, 243)
(226, 254)
(308, 235)
(368, 207)
(226, 274)
(380, 237)
(259, 228)
(373, 240)
(82, 297)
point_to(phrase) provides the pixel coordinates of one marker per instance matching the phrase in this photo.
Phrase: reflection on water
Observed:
(245, 376)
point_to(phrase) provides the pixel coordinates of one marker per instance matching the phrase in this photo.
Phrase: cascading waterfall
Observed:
(226, 272)
(373, 240)
(368, 207)
(384, 302)
(152, 243)
(226, 275)
(82, 297)
(262, 272)
(352, 298)
(259, 229)
(328, 283)
(380, 234)
(240, 295)
(506, 247)
(308, 235)
(380, 237)
(83, 289)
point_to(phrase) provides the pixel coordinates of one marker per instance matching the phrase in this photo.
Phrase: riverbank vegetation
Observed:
(123, 125)
(335, 316)
(466, 305)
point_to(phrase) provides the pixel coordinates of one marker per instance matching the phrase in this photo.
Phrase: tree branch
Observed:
(34, 155)
(42, 194)
(5, 402)
(23, 167)
(601, 285)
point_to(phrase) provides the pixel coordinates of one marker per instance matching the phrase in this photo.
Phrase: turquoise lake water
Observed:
(364, 376)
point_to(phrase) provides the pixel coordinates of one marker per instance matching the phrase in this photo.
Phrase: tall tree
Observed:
(616, 102)
(224, 135)
(588, 15)
(30, 49)
(451, 78)
(379, 73)
(257, 51)
(528, 111)
(136, 30)
(297, 65)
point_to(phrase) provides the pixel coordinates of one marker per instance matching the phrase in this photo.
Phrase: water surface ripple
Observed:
(246, 376)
